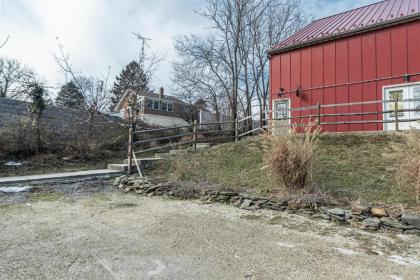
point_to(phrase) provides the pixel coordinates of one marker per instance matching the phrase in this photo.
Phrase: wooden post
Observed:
(396, 115)
(195, 135)
(236, 130)
(130, 150)
(319, 113)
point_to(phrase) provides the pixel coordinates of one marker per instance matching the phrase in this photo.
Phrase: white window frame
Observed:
(288, 112)
(384, 98)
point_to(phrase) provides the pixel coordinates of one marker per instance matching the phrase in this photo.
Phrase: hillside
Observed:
(351, 166)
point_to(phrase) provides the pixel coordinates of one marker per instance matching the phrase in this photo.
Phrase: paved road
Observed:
(118, 236)
(65, 175)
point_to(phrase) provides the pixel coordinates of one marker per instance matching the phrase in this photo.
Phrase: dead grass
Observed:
(346, 167)
(408, 175)
(290, 157)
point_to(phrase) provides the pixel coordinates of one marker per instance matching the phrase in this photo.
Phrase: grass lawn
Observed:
(354, 166)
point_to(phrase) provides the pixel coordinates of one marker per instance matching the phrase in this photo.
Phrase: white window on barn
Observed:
(170, 107)
(406, 99)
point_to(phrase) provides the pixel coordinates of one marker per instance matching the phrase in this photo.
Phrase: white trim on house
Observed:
(162, 121)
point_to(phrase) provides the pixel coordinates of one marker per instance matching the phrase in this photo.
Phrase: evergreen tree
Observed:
(70, 97)
(131, 77)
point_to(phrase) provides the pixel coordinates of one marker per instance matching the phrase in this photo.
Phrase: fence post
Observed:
(319, 113)
(130, 150)
(236, 130)
(396, 115)
(195, 135)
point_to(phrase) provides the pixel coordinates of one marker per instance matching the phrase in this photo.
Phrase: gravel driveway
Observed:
(111, 235)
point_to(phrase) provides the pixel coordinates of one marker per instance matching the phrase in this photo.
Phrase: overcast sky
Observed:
(98, 33)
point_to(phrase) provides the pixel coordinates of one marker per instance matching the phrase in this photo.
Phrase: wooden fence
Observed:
(151, 140)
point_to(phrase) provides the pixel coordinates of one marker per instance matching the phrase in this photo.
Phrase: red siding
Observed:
(351, 69)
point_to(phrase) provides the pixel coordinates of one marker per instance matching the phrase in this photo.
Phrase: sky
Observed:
(97, 34)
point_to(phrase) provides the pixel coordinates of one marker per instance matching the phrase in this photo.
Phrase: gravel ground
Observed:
(110, 235)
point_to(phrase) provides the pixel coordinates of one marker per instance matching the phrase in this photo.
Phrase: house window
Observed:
(164, 106)
(149, 104)
(156, 105)
(170, 107)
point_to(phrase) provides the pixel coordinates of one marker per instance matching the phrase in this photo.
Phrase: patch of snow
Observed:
(13, 163)
(395, 277)
(346, 252)
(403, 261)
(15, 189)
(286, 245)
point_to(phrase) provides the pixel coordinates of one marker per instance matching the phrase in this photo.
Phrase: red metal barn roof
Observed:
(371, 17)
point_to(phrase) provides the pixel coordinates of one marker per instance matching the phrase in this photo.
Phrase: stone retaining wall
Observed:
(362, 216)
(57, 124)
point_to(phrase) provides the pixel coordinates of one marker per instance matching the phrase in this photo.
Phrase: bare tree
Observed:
(95, 90)
(5, 42)
(234, 56)
(14, 78)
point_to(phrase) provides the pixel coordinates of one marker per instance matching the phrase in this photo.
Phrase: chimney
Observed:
(161, 92)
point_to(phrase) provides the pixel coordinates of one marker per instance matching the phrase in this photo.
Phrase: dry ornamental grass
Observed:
(291, 155)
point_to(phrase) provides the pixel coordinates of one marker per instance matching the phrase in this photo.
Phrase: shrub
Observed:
(408, 174)
(290, 157)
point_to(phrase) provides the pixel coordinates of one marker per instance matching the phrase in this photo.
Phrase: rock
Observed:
(360, 209)
(223, 198)
(294, 205)
(325, 216)
(234, 199)
(238, 202)
(246, 203)
(393, 223)
(412, 232)
(228, 193)
(323, 209)
(371, 224)
(411, 220)
(379, 212)
(117, 181)
(336, 212)
(261, 203)
(307, 211)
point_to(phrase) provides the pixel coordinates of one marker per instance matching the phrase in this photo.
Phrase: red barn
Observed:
(358, 59)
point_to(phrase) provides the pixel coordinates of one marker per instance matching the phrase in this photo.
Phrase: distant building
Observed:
(156, 109)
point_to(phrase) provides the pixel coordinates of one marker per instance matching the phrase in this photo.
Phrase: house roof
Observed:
(363, 19)
(146, 94)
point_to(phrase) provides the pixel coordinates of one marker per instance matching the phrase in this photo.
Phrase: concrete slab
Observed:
(43, 177)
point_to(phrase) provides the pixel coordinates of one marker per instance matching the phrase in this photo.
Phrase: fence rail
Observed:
(146, 141)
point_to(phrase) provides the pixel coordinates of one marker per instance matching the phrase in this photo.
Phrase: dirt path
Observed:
(117, 236)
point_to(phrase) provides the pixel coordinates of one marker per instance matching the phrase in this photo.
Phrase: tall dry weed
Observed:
(290, 156)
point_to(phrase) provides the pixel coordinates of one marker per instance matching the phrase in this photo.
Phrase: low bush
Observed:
(290, 157)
